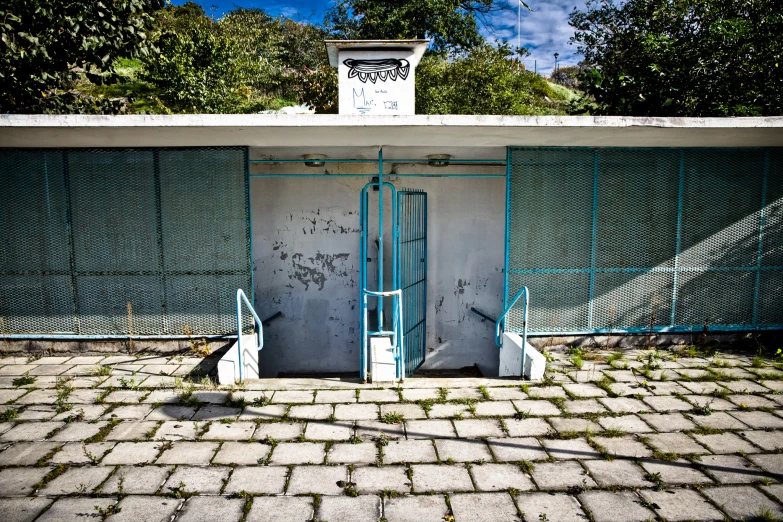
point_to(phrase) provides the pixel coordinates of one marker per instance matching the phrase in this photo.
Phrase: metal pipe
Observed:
(312, 175)
(507, 309)
(324, 160)
(242, 298)
(593, 240)
(107, 337)
(379, 307)
(508, 226)
(271, 318)
(760, 251)
(658, 329)
(678, 238)
(483, 315)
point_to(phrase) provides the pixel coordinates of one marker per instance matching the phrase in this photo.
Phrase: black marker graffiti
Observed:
(390, 68)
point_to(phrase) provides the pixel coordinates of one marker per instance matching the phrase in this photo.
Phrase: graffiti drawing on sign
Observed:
(385, 68)
(360, 103)
(390, 105)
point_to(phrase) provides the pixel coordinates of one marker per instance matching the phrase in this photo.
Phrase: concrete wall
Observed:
(305, 248)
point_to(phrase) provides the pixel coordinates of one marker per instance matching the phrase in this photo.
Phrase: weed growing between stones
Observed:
(25, 380)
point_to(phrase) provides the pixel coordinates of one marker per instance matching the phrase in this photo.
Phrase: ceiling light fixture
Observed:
(438, 160)
(314, 160)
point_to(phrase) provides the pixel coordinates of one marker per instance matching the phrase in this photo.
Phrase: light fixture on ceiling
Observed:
(314, 160)
(438, 160)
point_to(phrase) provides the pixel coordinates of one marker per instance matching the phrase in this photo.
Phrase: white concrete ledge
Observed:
(282, 130)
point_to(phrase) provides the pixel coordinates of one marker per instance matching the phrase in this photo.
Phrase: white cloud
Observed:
(544, 31)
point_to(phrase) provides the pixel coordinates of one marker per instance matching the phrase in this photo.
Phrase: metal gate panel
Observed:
(90, 231)
(34, 288)
(186, 247)
(633, 240)
(412, 279)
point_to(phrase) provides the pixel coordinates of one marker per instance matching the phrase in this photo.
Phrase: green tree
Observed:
(46, 44)
(452, 25)
(485, 81)
(200, 71)
(682, 57)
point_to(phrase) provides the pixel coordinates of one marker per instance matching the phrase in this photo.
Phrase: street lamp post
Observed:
(555, 71)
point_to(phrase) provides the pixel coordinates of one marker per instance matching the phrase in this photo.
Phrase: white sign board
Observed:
(377, 81)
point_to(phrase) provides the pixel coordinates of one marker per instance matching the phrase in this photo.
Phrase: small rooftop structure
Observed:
(376, 76)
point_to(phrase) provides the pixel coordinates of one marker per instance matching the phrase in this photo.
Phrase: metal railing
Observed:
(502, 318)
(396, 332)
(242, 298)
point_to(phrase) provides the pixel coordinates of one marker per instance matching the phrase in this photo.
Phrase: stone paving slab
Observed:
(500, 477)
(483, 507)
(561, 475)
(197, 479)
(418, 508)
(242, 453)
(281, 509)
(136, 480)
(26, 453)
(24, 509)
(210, 509)
(193, 453)
(544, 506)
(623, 506)
(350, 509)
(16, 482)
(513, 449)
(371, 479)
(268, 480)
(742, 502)
(396, 452)
(278, 431)
(681, 505)
(75, 509)
(450, 450)
(320, 480)
(148, 509)
(432, 477)
(132, 453)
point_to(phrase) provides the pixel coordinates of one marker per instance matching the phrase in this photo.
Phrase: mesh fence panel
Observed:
(100, 241)
(641, 239)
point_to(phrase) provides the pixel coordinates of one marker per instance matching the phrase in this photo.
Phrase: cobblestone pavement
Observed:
(617, 437)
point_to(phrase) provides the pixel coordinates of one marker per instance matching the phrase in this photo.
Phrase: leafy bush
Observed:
(46, 45)
(484, 81)
(200, 71)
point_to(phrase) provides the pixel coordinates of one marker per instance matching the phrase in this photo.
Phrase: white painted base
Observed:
(382, 366)
(511, 357)
(228, 367)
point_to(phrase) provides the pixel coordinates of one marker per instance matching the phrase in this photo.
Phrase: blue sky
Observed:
(545, 31)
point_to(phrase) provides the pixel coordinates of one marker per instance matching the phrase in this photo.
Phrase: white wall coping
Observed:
(285, 130)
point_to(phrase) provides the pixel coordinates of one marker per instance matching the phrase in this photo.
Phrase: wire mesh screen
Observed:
(120, 241)
(636, 240)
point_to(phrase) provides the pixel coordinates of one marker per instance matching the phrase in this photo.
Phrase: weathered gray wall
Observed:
(305, 249)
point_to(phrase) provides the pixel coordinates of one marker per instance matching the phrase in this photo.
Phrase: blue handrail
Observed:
(501, 320)
(241, 297)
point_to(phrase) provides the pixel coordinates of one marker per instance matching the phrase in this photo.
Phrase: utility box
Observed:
(376, 76)
(383, 367)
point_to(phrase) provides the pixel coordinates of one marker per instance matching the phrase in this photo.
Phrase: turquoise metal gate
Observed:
(412, 278)
(645, 240)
